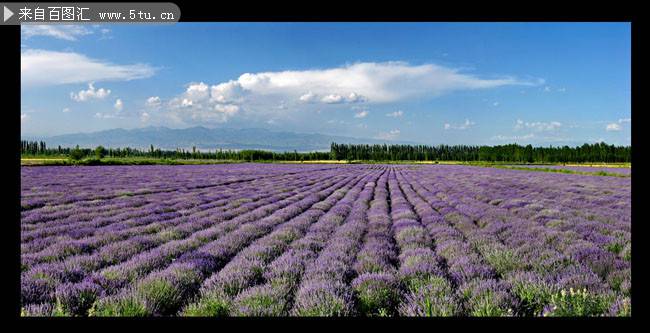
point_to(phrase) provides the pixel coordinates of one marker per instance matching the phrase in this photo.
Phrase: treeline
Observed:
(37, 148)
(598, 152)
(33, 148)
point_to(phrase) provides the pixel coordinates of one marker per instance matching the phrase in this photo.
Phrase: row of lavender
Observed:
(329, 241)
(592, 169)
(133, 241)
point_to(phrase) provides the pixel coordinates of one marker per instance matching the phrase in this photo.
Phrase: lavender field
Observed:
(323, 240)
(613, 170)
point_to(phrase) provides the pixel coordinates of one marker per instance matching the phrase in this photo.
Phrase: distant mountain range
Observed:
(205, 138)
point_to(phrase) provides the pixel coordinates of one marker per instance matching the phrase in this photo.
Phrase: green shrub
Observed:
(212, 304)
(76, 154)
(164, 295)
(502, 260)
(119, 306)
(578, 303)
(377, 294)
(430, 297)
(260, 301)
(534, 295)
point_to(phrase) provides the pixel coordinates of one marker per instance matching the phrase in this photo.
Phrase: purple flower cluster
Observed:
(323, 240)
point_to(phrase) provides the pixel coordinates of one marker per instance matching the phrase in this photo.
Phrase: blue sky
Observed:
(453, 83)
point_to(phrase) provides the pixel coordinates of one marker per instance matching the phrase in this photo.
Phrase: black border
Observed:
(333, 12)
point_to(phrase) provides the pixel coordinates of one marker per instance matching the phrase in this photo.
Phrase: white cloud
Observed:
(361, 114)
(391, 135)
(355, 98)
(336, 99)
(197, 91)
(513, 138)
(332, 99)
(519, 124)
(384, 82)
(228, 109)
(395, 114)
(495, 104)
(144, 117)
(203, 103)
(42, 67)
(69, 32)
(102, 115)
(547, 89)
(91, 93)
(105, 34)
(373, 82)
(66, 110)
(153, 102)
(561, 89)
(613, 127)
(23, 117)
(118, 105)
(467, 124)
(229, 92)
(617, 126)
(308, 97)
(538, 126)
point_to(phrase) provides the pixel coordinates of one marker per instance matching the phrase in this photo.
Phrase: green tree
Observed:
(76, 154)
(100, 152)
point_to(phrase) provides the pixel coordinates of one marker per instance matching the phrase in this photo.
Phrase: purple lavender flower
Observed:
(377, 293)
(76, 299)
(323, 299)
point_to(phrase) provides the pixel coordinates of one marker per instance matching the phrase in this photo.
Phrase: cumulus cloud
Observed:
(391, 135)
(118, 105)
(395, 114)
(373, 82)
(66, 110)
(309, 97)
(538, 126)
(467, 124)
(229, 92)
(227, 109)
(90, 93)
(350, 84)
(201, 103)
(613, 127)
(144, 117)
(42, 68)
(361, 114)
(69, 32)
(153, 102)
(197, 91)
(332, 99)
(355, 98)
